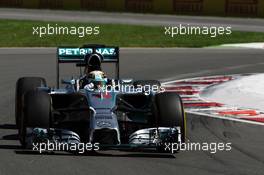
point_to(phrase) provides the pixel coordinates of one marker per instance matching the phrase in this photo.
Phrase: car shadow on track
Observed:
(19, 150)
(10, 137)
(97, 154)
(8, 126)
(14, 147)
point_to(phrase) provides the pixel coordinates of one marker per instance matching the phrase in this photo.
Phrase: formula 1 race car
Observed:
(115, 113)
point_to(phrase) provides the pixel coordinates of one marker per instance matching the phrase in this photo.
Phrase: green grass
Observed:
(15, 33)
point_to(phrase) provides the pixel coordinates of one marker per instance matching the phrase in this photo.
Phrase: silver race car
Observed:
(115, 113)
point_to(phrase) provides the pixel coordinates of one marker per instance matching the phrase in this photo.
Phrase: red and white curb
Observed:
(190, 90)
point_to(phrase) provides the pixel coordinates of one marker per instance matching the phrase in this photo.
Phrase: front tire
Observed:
(24, 85)
(170, 112)
(37, 113)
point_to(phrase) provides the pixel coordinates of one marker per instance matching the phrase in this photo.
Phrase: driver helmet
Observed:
(98, 78)
(93, 63)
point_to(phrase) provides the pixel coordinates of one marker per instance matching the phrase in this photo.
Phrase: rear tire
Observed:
(24, 85)
(37, 113)
(170, 112)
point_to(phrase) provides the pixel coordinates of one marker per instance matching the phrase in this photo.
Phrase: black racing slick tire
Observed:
(170, 112)
(37, 113)
(24, 85)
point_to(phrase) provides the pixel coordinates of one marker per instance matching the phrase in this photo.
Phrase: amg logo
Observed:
(188, 6)
(52, 4)
(139, 5)
(242, 7)
(11, 3)
(92, 4)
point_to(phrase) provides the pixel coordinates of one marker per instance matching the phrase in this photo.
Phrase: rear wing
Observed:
(77, 55)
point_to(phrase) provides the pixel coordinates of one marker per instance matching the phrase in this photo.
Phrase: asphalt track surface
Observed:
(240, 24)
(163, 64)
